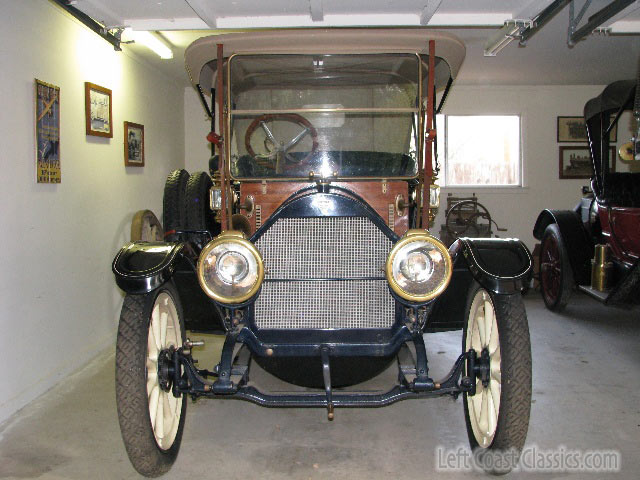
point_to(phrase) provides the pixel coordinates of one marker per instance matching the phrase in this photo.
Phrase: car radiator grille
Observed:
(324, 273)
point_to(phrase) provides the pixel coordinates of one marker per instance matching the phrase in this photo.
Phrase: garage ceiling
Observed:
(546, 59)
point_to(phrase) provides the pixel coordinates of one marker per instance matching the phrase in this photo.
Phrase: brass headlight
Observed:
(230, 268)
(418, 267)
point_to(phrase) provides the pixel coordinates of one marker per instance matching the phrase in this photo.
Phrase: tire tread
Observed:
(131, 397)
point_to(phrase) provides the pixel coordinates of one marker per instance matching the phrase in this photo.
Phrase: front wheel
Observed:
(497, 416)
(151, 418)
(556, 276)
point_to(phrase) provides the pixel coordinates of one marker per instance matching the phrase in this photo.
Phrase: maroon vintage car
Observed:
(596, 246)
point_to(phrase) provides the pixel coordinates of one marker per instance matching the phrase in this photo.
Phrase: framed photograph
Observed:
(133, 144)
(47, 133)
(98, 112)
(575, 162)
(573, 129)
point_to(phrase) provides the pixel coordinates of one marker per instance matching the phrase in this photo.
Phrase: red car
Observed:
(596, 246)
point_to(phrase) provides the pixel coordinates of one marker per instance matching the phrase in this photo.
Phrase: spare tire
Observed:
(173, 204)
(199, 215)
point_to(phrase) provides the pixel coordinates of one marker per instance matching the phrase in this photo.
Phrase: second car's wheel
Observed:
(556, 276)
(173, 203)
(151, 417)
(497, 415)
(199, 215)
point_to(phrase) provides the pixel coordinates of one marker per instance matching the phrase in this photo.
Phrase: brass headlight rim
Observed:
(410, 237)
(230, 236)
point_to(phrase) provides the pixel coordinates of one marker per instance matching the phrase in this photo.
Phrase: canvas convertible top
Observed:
(615, 96)
(200, 56)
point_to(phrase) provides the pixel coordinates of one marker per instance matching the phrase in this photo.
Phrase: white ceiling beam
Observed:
(329, 21)
(363, 19)
(205, 10)
(317, 12)
(99, 12)
(468, 19)
(625, 26)
(532, 9)
(624, 22)
(427, 12)
(193, 23)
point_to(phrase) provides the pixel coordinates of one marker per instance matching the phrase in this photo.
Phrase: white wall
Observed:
(197, 150)
(58, 301)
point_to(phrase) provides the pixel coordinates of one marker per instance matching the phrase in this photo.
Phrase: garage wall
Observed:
(58, 301)
(197, 127)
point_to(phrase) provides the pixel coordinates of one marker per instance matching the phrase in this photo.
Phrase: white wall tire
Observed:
(497, 416)
(151, 419)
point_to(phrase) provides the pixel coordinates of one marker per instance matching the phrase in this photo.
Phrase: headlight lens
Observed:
(230, 268)
(418, 267)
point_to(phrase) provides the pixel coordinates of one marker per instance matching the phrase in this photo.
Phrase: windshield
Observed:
(344, 115)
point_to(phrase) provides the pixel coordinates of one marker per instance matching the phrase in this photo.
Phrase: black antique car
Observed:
(307, 245)
(596, 246)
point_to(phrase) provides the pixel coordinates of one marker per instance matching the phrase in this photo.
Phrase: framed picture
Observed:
(575, 162)
(573, 129)
(98, 112)
(47, 133)
(133, 144)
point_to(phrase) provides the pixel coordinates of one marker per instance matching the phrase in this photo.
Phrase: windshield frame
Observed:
(419, 111)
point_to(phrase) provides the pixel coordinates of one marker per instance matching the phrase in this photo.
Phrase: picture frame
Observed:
(133, 144)
(98, 110)
(575, 162)
(574, 130)
(47, 132)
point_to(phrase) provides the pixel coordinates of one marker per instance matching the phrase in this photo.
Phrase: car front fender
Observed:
(502, 266)
(141, 267)
(575, 235)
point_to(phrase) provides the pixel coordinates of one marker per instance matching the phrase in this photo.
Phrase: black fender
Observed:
(502, 266)
(141, 267)
(575, 236)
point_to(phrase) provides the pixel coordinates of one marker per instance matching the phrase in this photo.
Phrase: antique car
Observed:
(307, 246)
(596, 246)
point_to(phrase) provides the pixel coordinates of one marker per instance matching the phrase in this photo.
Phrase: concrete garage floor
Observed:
(586, 395)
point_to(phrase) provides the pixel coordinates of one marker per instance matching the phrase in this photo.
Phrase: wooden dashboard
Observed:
(380, 195)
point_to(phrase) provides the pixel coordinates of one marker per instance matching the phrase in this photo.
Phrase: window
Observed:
(482, 150)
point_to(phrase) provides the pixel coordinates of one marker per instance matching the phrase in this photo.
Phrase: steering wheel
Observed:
(457, 224)
(280, 150)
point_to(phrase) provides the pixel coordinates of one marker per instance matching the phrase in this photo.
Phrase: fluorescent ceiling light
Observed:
(152, 41)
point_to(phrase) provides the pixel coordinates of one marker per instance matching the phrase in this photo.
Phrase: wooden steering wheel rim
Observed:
(287, 117)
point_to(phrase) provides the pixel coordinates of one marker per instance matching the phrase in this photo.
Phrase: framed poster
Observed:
(573, 129)
(575, 162)
(47, 133)
(98, 111)
(133, 144)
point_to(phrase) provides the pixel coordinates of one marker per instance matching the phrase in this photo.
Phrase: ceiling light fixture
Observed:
(151, 40)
